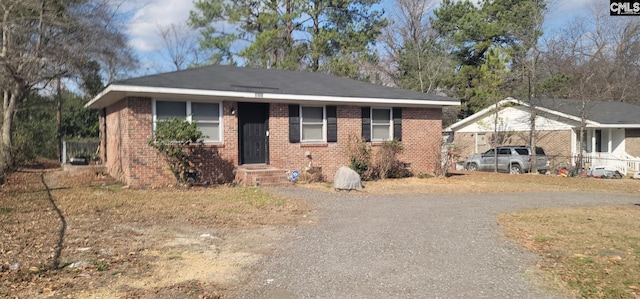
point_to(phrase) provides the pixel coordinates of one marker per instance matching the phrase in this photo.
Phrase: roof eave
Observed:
(616, 126)
(114, 93)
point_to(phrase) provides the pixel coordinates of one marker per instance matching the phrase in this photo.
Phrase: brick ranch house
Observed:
(611, 136)
(262, 119)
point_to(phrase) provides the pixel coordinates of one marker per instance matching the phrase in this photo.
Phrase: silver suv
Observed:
(512, 159)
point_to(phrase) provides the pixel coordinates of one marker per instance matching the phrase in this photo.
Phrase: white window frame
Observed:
(390, 137)
(324, 124)
(189, 117)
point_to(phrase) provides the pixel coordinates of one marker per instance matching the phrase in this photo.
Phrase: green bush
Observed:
(174, 139)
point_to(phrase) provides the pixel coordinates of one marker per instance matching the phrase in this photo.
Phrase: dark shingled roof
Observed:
(272, 81)
(599, 111)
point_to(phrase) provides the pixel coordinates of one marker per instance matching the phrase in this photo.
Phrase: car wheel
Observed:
(515, 169)
(472, 167)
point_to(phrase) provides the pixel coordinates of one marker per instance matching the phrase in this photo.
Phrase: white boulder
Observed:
(347, 179)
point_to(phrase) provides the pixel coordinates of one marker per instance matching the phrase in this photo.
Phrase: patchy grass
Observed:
(593, 251)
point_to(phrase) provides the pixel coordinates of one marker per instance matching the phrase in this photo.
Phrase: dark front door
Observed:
(253, 120)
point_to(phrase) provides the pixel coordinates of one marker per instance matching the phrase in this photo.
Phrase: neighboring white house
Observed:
(611, 131)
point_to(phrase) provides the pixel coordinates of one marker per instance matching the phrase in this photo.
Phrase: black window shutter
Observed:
(332, 124)
(397, 123)
(366, 123)
(294, 123)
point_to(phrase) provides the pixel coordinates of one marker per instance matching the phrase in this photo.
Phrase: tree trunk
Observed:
(6, 159)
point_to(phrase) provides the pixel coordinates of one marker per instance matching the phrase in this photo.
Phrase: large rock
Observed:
(347, 179)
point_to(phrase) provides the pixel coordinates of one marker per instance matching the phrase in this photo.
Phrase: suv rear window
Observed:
(540, 151)
(522, 151)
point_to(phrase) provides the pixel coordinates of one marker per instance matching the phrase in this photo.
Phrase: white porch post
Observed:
(609, 141)
(593, 140)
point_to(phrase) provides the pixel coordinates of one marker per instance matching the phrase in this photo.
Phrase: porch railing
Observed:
(622, 163)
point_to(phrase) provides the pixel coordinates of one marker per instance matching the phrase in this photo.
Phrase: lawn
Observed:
(593, 251)
(117, 242)
(128, 243)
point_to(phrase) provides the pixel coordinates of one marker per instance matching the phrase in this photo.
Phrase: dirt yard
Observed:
(114, 242)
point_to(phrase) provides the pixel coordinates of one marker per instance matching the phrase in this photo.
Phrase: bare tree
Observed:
(527, 60)
(180, 45)
(593, 59)
(600, 47)
(43, 40)
(411, 47)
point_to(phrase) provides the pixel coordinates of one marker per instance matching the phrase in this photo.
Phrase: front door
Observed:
(253, 122)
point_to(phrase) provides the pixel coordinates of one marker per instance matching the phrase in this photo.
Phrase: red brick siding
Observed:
(215, 163)
(421, 130)
(129, 127)
(421, 138)
(115, 140)
(329, 156)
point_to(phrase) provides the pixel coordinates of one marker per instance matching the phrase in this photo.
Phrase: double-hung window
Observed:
(312, 124)
(207, 116)
(381, 124)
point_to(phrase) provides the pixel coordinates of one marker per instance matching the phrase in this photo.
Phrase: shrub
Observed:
(311, 175)
(384, 164)
(446, 156)
(359, 152)
(386, 161)
(174, 139)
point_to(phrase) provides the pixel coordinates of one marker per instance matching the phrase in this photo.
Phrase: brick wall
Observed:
(421, 138)
(421, 135)
(131, 160)
(115, 140)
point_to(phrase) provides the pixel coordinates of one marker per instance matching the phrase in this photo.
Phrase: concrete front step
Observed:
(261, 175)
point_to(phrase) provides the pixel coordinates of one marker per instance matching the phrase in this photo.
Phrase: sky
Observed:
(146, 16)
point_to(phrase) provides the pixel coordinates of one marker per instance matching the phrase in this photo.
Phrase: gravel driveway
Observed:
(409, 246)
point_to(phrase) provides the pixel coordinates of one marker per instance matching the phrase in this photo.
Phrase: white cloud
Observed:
(149, 15)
